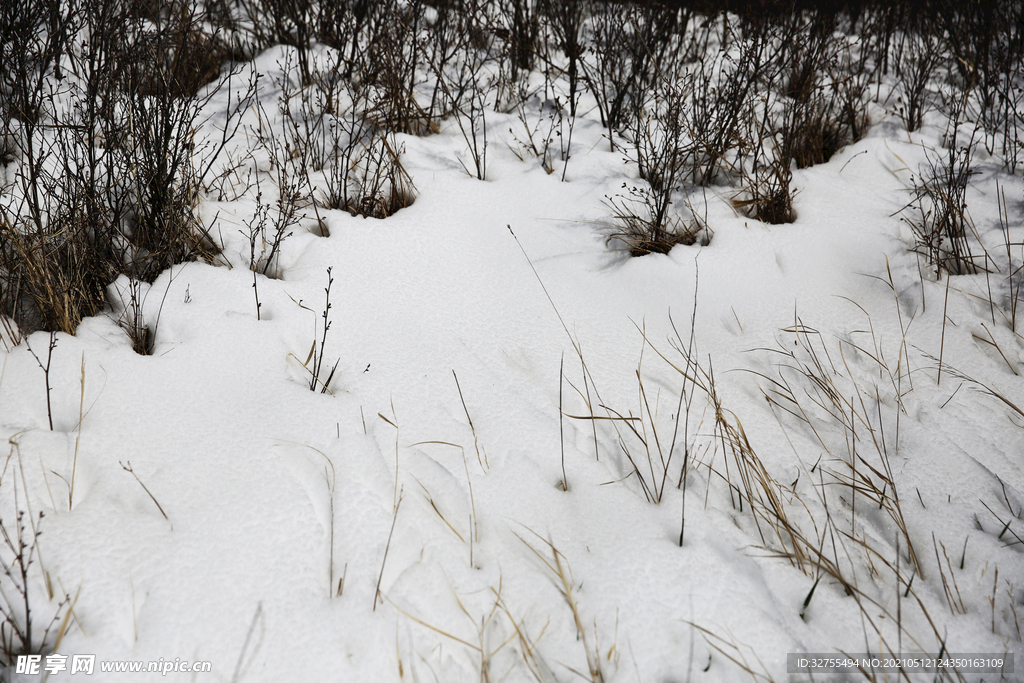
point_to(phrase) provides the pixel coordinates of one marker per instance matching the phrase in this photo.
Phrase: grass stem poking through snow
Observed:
(433, 503)
(561, 423)
(588, 379)
(241, 664)
(1014, 275)
(566, 585)
(330, 478)
(807, 600)
(394, 424)
(128, 468)
(387, 547)
(687, 378)
(476, 441)
(78, 435)
(341, 582)
(474, 533)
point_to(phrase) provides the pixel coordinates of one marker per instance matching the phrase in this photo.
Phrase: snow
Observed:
(273, 493)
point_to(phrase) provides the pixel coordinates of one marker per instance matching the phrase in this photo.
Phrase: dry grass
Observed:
(819, 398)
(558, 566)
(641, 228)
(52, 279)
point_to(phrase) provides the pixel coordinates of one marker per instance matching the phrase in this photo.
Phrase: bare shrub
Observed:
(358, 157)
(938, 212)
(631, 48)
(110, 184)
(919, 57)
(718, 101)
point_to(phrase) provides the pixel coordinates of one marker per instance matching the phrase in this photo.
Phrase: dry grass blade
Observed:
(475, 531)
(983, 388)
(476, 441)
(387, 547)
(481, 626)
(824, 394)
(994, 344)
(955, 602)
(128, 468)
(433, 505)
(731, 651)
(535, 663)
(558, 565)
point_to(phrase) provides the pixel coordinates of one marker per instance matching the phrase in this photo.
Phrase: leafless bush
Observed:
(462, 82)
(645, 221)
(643, 227)
(537, 131)
(339, 26)
(283, 22)
(766, 180)
(294, 192)
(20, 632)
(357, 157)
(174, 50)
(108, 182)
(158, 183)
(382, 185)
(347, 126)
(938, 211)
(390, 65)
(566, 22)
(719, 101)
(823, 106)
(445, 54)
(987, 45)
(519, 30)
(770, 198)
(51, 278)
(632, 47)
(919, 56)
(130, 303)
(34, 34)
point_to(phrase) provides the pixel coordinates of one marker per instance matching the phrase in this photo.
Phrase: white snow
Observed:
(274, 493)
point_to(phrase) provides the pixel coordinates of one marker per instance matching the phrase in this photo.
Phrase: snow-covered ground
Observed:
(432, 518)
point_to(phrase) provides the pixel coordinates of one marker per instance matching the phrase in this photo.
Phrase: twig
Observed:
(128, 468)
(46, 372)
